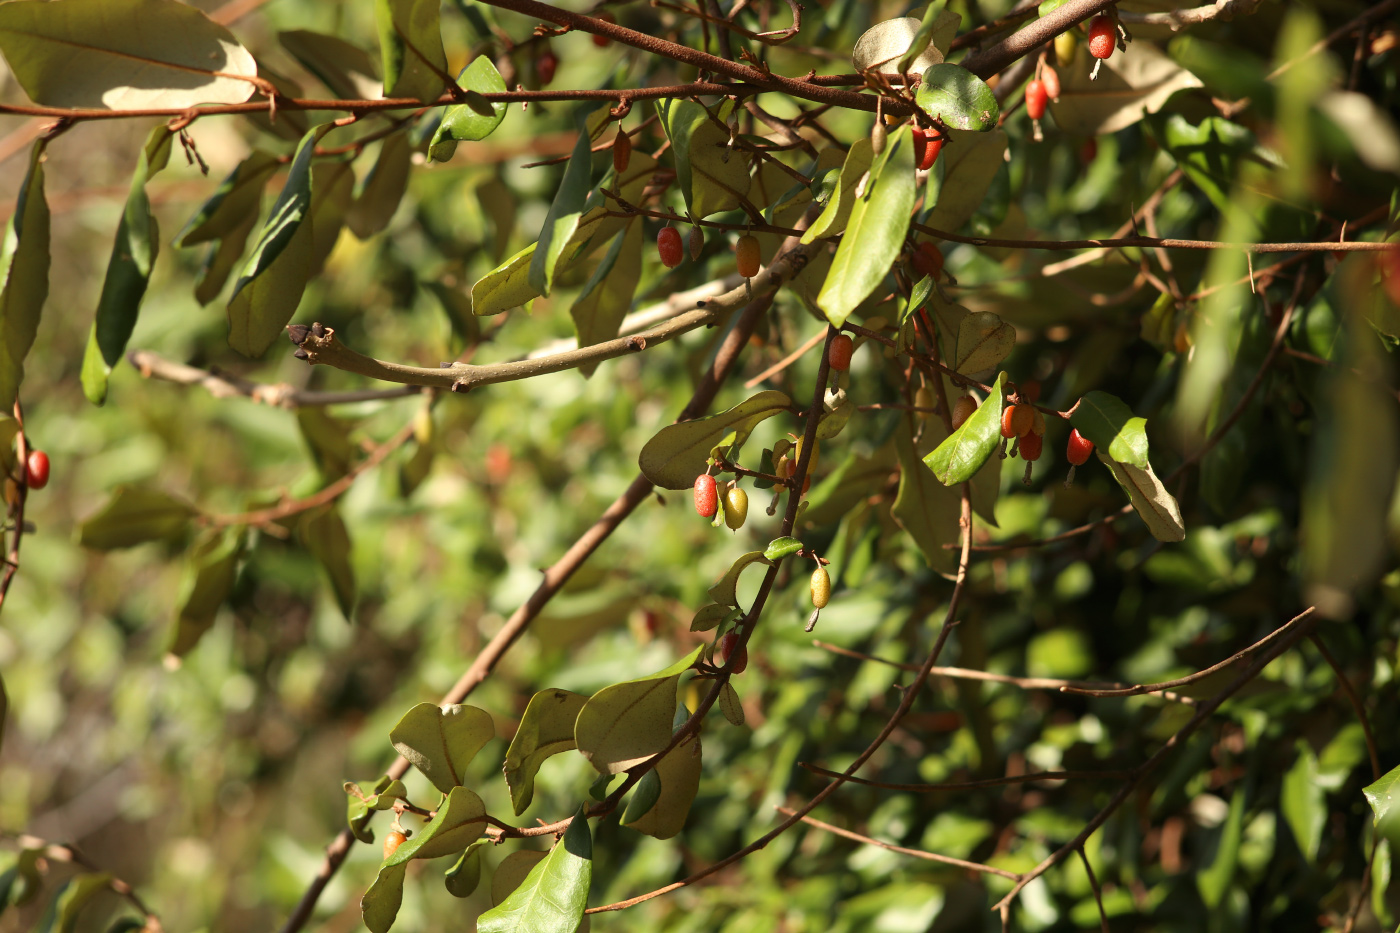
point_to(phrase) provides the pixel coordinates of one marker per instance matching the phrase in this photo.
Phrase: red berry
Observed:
(839, 356)
(926, 149)
(727, 646)
(545, 66)
(622, 152)
(706, 495)
(1103, 36)
(962, 410)
(1031, 445)
(392, 842)
(1079, 448)
(746, 253)
(668, 247)
(1051, 79)
(1016, 421)
(927, 260)
(1036, 99)
(37, 472)
(602, 41)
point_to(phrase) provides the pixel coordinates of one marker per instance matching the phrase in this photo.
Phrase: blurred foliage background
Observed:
(212, 785)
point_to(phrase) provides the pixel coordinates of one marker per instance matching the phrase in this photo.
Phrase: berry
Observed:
(1037, 422)
(392, 842)
(878, 135)
(926, 149)
(1103, 36)
(1036, 98)
(746, 253)
(1051, 79)
(821, 587)
(783, 468)
(1066, 43)
(1079, 448)
(839, 354)
(927, 260)
(37, 472)
(668, 247)
(963, 409)
(1031, 446)
(1016, 420)
(696, 242)
(726, 647)
(622, 152)
(1030, 391)
(923, 400)
(545, 66)
(706, 495)
(736, 508)
(602, 41)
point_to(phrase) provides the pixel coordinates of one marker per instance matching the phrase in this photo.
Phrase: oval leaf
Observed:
(213, 564)
(442, 741)
(881, 47)
(546, 729)
(625, 724)
(957, 97)
(1157, 507)
(380, 904)
(553, 896)
(465, 874)
(346, 69)
(678, 453)
(1108, 422)
(779, 548)
(730, 705)
(24, 277)
(678, 776)
(478, 117)
(925, 508)
(984, 340)
(383, 188)
(135, 516)
(837, 213)
(712, 176)
(324, 534)
(1384, 798)
(726, 591)
(963, 452)
(970, 162)
(410, 41)
(460, 821)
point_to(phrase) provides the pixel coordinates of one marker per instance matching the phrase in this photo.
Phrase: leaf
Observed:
(1108, 422)
(881, 47)
(678, 776)
(730, 704)
(506, 286)
(678, 453)
(642, 798)
(875, 232)
(346, 69)
(1384, 797)
(442, 741)
(322, 532)
(1370, 130)
(607, 297)
(478, 117)
(511, 873)
(937, 30)
(383, 188)
(1129, 87)
(953, 95)
(1303, 802)
(128, 271)
(1213, 881)
(553, 896)
(123, 55)
(779, 548)
(970, 162)
(410, 42)
(227, 218)
(625, 724)
(62, 915)
(712, 177)
(711, 617)
(984, 340)
(837, 213)
(546, 729)
(134, 516)
(460, 821)
(1157, 507)
(328, 441)
(963, 452)
(213, 565)
(465, 874)
(927, 510)
(380, 904)
(333, 189)
(24, 277)
(726, 591)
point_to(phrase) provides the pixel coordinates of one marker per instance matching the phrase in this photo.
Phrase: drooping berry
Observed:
(545, 66)
(1103, 36)
(392, 841)
(37, 470)
(668, 247)
(736, 508)
(1079, 448)
(1017, 420)
(1036, 99)
(926, 148)
(622, 152)
(839, 355)
(878, 135)
(1030, 452)
(963, 409)
(923, 400)
(706, 495)
(602, 41)
(821, 587)
(1051, 79)
(1066, 44)
(927, 260)
(746, 255)
(726, 647)
(696, 243)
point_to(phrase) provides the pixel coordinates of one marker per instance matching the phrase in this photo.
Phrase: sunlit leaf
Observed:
(1108, 421)
(553, 896)
(726, 591)
(1128, 87)
(607, 296)
(953, 95)
(478, 117)
(410, 42)
(442, 741)
(711, 176)
(24, 277)
(984, 340)
(882, 46)
(833, 218)
(346, 69)
(546, 729)
(625, 724)
(677, 454)
(964, 451)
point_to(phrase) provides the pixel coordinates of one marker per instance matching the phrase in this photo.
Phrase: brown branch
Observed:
(916, 853)
(1032, 777)
(152, 365)
(1176, 19)
(1094, 884)
(986, 63)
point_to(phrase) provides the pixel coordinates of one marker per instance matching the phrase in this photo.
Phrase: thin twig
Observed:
(1094, 885)
(916, 853)
(1031, 777)
(152, 365)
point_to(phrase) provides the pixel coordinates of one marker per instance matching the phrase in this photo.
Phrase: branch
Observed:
(916, 853)
(1176, 19)
(1034, 776)
(986, 63)
(152, 365)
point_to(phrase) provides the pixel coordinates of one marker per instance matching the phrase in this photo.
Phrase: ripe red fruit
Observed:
(622, 152)
(1036, 99)
(1016, 421)
(746, 254)
(962, 410)
(926, 148)
(1079, 448)
(727, 646)
(545, 66)
(602, 41)
(1051, 79)
(1031, 446)
(927, 260)
(706, 495)
(37, 470)
(839, 356)
(1103, 36)
(392, 842)
(668, 247)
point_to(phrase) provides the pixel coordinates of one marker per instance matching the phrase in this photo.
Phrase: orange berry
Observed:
(839, 355)
(1051, 79)
(1031, 446)
(747, 255)
(392, 842)
(622, 152)
(926, 148)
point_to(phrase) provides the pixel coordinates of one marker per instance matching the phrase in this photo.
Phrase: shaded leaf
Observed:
(465, 874)
(511, 873)
(1157, 507)
(984, 340)
(62, 915)
(323, 533)
(882, 46)
(730, 704)
(383, 188)
(24, 277)
(970, 161)
(1213, 880)
(937, 29)
(546, 729)
(213, 565)
(346, 69)
(678, 777)
(410, 43)
(607, 297)
(333, 191)
(678, 453)
(1304, 803)
(134, 516)
(964, 451)
(477, 118)
(625, 724)
(1108, 422)
(711, 176)
(643, 797)
(1129, 87)
(442, 741)
(553, 896)
(955, 96)
(380, 904)
(712, 616)
(927, 509)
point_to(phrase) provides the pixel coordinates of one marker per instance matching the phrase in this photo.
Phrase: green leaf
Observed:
(984, 340)
(227, 218)
(970, 162)
(62, 915)
(779, 548)
(4, 712)
(607, 297)
(24, 277)
(884, 45)
(333, 192)
(1214, 880)
(643, 797)
(730, 704)
(546, 729)
(726, 591)
(678, 453)
(1157, 507)
(134, 516)
(478, 117)
(561, 223)
(875, 231)
(346, 69)
(128, 271)
(625, 724)
(460, 821)
(1384, 797)
(711, 176)
(328, 440)
(1304, 803)
(323, 533)
(837, 213)
(123, 55)
(213, 565)
(963, 452)
(380, 904)
(1108, 422)
(925, 508)
(712, 616)
(442, 741)
(938, 28)
(410, 41)
(955, 96)
(553, 896)
(678, 780)
(506, 286)
(465, 874)
(511, 873)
